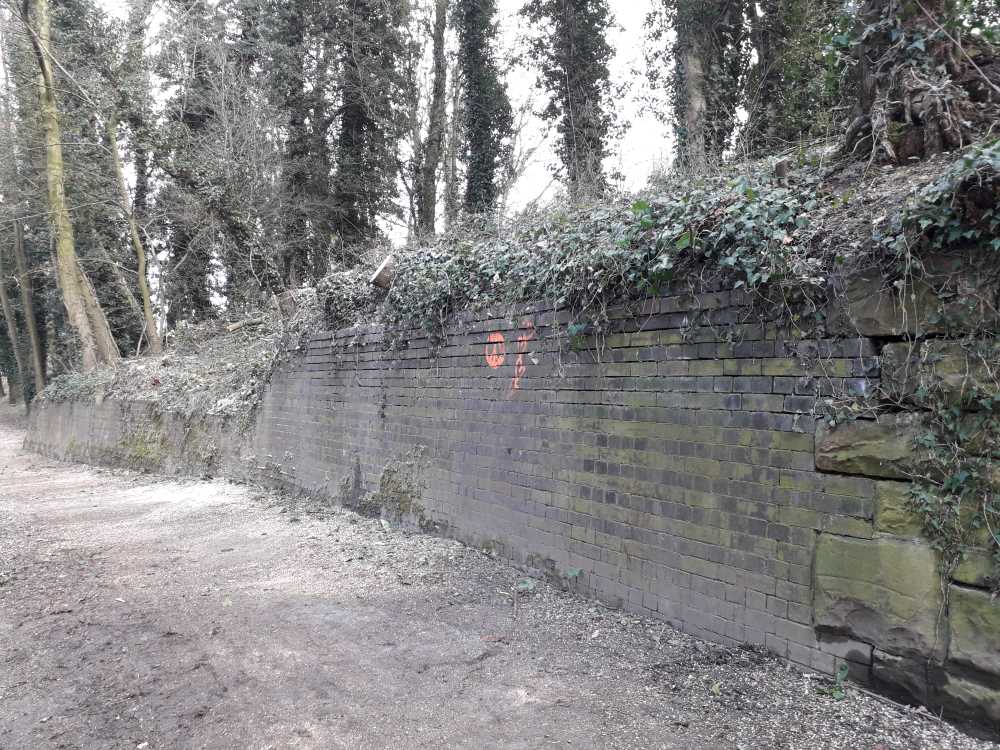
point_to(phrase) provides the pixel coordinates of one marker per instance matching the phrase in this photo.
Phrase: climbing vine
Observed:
(956, 492)
(753, 230)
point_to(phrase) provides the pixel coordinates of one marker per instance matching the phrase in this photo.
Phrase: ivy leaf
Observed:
(684, 241)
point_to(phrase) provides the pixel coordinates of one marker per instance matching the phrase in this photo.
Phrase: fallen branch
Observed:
(232, 327)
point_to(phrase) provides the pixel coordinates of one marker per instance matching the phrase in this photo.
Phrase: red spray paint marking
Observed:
(496, 350)
(522, 348)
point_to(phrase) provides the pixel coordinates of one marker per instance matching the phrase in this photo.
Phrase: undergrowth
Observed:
(754, 231)
(779, 239)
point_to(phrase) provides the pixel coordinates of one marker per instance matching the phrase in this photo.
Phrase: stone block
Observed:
(902, 676)
(892, 516)
(882, 591)
(973, 698)
(868, 306)
(846, 648)
(913, 371)
(952, 292)
(877, 449)
(975, 569)
(974, 618)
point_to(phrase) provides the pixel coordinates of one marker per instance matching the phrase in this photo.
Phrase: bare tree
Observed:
(97, 345)
(127, 207)
(434, 144)
(28, 308)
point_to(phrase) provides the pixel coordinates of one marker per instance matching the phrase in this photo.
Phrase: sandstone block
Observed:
(882, 591)
(892, 516)
(974, 617)
(975, 569)
(973, 697)
(905, 676)
(952, 292)
(946, 368)
(876, 449)
(869, 306)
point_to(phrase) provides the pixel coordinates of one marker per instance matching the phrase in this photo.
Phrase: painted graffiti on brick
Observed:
(496, 352)
(522, 348)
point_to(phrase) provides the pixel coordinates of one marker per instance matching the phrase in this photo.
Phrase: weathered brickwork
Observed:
(671, 471)
(669, 467)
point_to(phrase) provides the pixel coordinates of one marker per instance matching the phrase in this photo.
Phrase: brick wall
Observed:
(671, 472)
(669, 468)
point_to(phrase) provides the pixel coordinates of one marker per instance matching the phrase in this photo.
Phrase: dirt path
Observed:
(137, 613)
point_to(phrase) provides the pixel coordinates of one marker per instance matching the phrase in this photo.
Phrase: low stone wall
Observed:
(138, 435)
(679, 468)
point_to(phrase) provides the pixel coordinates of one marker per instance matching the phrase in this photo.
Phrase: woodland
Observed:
(190, 161)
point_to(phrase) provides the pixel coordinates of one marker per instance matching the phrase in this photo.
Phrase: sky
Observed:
(645, 145)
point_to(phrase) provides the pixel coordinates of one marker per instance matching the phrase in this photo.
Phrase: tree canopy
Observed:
(184, 161)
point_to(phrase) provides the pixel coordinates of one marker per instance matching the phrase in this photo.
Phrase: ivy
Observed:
(754, 231)
(960, 207)
(956, 492)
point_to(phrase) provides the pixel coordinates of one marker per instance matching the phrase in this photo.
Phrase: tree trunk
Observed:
(769, 33)
(15, 340)
(709, 77)
(319, 124)
(695, 147)
(152, 334)
(434, 145)
(352, 217)
(28, 308)
(97, 345)
(296, 161)
(454, 147)
(14, 390)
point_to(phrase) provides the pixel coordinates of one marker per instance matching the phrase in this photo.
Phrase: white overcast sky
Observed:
(645, 145)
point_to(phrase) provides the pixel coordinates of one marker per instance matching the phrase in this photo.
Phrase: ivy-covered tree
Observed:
(292, 47)
(374, 91)
(487, 118)
(572, 54)
(923, 86)
(431, 149)
(710, 56)
(794, 86)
